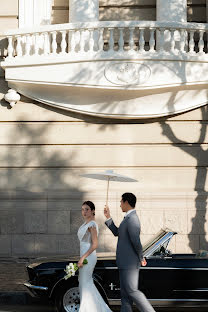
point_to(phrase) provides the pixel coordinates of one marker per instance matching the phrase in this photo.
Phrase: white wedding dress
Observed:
(90, 298)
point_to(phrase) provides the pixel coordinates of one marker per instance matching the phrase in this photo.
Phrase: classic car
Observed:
(168, 279)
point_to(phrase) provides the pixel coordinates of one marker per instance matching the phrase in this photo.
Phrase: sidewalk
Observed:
(13, 274)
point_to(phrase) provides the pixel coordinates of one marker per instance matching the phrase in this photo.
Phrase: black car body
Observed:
(167, 280)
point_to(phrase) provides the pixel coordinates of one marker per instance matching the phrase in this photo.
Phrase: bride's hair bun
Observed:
(91, 205)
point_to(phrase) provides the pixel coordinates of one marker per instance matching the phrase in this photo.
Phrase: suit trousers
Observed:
(129, 279)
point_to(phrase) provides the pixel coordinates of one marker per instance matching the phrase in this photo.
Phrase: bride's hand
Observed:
(80, 263)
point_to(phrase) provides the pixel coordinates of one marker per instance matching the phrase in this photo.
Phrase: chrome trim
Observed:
(36, 287)
(61, 279)
(96, 281)
(114, 301)
(180, 300)
(173, 268)
(157, 268)
(180, 290)
(165, 302)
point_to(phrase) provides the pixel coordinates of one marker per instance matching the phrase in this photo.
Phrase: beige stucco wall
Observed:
(44, 150)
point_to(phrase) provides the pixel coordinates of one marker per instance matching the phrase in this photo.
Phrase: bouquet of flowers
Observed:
(71, 268)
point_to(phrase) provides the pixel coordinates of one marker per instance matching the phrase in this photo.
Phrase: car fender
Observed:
(73, 281)
(62, 283)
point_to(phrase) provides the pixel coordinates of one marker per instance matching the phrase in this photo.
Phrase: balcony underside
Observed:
(115, 89)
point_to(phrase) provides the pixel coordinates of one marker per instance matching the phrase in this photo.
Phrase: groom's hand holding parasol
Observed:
(107, 212)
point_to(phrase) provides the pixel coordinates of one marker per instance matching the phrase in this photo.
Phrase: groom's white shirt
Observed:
(127, 213)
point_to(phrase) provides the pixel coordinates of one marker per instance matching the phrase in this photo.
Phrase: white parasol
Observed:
(108, 175)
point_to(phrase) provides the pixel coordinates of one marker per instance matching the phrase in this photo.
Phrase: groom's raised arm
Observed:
(109, 222)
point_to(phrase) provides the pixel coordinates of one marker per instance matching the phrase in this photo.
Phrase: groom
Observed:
(129, 255)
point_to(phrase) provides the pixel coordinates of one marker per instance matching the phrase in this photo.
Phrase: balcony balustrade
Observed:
(109, 39)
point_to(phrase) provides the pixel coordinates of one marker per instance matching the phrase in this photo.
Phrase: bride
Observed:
(90, 298)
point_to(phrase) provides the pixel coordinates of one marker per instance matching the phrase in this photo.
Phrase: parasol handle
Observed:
(107, 191)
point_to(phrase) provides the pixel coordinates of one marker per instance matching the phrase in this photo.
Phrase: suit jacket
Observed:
(129, 248)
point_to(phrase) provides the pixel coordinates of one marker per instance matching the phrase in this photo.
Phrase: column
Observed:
(171, 11)
(34, 13)
(83, 11)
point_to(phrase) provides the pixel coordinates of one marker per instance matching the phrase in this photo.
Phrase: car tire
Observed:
(68, 300)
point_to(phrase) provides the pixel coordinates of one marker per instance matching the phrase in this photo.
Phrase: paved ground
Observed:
(48, 308)
(13, 274)
(26, 308)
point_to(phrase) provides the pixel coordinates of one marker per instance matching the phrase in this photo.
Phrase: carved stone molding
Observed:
(127, 73)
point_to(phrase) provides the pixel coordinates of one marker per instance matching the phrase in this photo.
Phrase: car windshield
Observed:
(154, 239)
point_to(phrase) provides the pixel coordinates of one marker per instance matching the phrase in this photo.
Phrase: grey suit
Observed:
(128, 259)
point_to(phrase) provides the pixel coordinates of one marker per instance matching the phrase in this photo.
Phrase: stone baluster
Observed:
(111, 39)
(63, 41)
(131, 38)
(19, 47)
(172, 40)
(10, 46)
(201, 42)
(191, 42)
(121, 40)
(101, 41)
(91, 40)
(33, 43)
(46, 43)
(27, 46)
(162, 39)
(72, 40)
(152, 40)
(82, 40)
(182, 40)
(54, 42)
(36, 44)
(141, 40)
(186, 41)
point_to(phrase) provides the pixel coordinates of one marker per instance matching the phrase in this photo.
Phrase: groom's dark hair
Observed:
(130, 198)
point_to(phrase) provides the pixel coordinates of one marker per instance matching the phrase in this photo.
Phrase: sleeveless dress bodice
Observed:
(85, 236)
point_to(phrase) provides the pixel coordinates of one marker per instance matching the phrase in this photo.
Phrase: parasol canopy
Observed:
(108, 175)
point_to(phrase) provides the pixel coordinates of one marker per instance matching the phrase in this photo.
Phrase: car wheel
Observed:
(68, 300)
